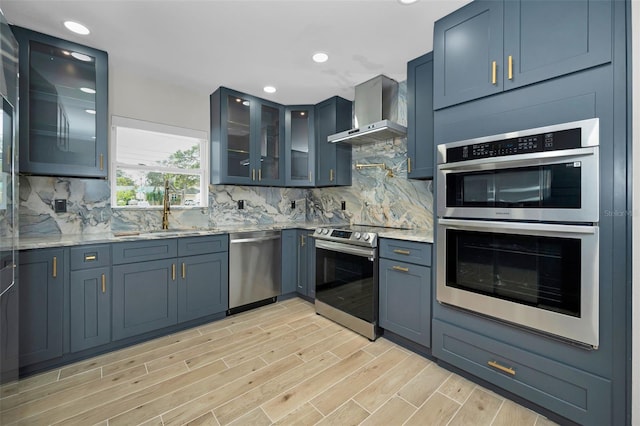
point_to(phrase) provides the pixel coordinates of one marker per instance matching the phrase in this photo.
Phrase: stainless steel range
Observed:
(347, 277)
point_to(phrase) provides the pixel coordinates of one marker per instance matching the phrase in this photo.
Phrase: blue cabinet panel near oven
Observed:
(405, 300)
(311, 266)
(289, 260)
(420, 163)
(41, 275)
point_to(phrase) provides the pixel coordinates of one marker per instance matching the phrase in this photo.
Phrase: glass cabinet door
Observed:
(238, 136)
(63, 127)
(299, 140)
(270, 143)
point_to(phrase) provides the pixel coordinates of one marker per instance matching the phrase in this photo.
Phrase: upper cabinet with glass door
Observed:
(63, 107)
(300, 145)
(247, 139)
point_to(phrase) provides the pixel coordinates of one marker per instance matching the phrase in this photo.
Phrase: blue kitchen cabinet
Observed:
(310, 265)
(420, 161)
(145, 288)
(300, 145)
(490, 46)
(42, 279)
(63, 115)
(289, 260)
(333, 160)
(90, 296)
(203, 286)
(247, 140)
(405, 289)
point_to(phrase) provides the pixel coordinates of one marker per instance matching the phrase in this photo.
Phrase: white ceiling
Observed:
(247, 44)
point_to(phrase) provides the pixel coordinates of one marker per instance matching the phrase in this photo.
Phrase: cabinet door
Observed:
(546, 39)
(302, 276)
(144, 297)
(405, 300)
(203, 288)
(63, 107)
(467, 53)
(90, 292)
(420, 161)
(300, 145)
(268, 145)
(311, 267)
(289, 260)
(41, 279)
(333, 161)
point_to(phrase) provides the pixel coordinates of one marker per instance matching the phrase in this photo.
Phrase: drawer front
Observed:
(406, 251)
(86, 257)
(572, 393)
(191, 246)
(140, 251)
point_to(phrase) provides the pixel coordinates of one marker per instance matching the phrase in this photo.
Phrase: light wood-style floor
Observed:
(279, 364)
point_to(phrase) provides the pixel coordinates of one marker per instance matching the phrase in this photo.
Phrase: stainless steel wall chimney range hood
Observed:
(376, 113)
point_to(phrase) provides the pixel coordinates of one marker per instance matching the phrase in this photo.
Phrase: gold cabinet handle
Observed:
(400, 268)
(330, 175)
(502, 368)
(104, 283)
(55, 267)
(259, 175)
(399, 251)
(184, 270)
(510, 68)
(408, 164)
(173, 271)
(253, 174)
(302, 241)
(101, 161)
(494, 72)
(90, 257)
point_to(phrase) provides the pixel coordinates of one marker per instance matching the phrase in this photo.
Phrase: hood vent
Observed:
(376, 113)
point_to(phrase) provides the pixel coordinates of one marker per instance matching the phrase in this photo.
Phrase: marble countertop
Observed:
(60, 240)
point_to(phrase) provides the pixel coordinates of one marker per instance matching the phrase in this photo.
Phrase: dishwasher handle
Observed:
(254, 240)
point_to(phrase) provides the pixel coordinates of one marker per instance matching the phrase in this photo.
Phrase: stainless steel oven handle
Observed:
(534, 158)
(484, 225)
(346, 248)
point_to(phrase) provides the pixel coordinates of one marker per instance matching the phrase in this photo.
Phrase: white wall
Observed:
(135, 94)
(635, 394)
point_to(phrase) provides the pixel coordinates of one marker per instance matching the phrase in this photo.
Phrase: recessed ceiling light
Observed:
(76, 28)
(81, 57)
(88, 90)
(320, 57)
(269, 89)
(407, 1)
(90, 111)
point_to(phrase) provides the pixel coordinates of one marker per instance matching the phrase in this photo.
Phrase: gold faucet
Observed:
(166, 208)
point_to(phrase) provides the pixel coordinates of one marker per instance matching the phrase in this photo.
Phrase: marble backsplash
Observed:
(374, 198)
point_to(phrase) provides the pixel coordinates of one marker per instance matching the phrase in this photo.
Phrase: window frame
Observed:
(136, 124)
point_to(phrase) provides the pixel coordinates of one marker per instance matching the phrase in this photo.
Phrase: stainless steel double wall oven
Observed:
(517, 235)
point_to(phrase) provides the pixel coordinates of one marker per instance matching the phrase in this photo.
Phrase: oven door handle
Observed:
(532, 159)
(346, 248)
(529, 228)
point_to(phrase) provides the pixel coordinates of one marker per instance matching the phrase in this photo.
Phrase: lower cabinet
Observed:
(202, 288)
(405, 289)
(41, 276)
(289, 260)
(90, 296)
(572, 393)
(298, 260)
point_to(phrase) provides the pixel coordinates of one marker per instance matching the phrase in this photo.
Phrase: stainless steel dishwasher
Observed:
(254, 269)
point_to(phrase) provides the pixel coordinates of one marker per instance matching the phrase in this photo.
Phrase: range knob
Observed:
(325, 231)
(366, 237)
(357, 235)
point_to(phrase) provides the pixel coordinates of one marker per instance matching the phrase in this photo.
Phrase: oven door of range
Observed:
(554, 186)
(539, 276)
(347, 278)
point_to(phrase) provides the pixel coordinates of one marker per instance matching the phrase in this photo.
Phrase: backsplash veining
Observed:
(374, 198)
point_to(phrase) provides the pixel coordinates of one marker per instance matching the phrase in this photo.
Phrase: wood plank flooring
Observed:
(280, 364)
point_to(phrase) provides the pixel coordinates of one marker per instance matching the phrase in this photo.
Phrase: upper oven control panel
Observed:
(360, 238)
(549, 141)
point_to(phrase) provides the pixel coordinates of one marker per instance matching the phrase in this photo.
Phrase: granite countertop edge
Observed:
(70, 240)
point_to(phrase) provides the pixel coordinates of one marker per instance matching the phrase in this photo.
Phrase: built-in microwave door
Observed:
(561, 186)
(539, 276)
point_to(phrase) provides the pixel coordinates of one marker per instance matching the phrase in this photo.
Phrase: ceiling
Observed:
(248, 44)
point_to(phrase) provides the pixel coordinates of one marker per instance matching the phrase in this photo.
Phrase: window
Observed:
(144, 155)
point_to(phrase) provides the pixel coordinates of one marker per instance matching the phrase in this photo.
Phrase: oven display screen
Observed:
(341, 234)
